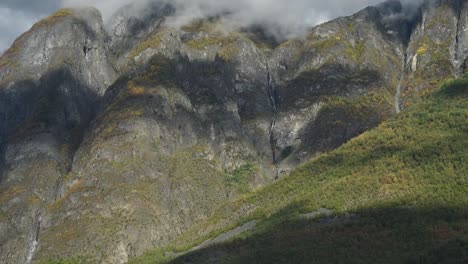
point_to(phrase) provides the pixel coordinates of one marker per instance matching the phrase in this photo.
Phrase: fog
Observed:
(282, 18)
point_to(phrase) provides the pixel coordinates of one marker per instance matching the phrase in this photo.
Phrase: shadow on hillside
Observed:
(433, 234)
(328, 80)
(57, 104)
(208, 86)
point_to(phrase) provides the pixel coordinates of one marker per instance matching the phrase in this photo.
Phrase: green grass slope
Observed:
(399, 195)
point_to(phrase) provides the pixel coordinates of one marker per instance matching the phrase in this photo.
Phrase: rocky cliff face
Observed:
(116, 141)
(437, 48)
(51, 81)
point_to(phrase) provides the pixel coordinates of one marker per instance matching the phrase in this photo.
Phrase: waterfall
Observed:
(34, 241)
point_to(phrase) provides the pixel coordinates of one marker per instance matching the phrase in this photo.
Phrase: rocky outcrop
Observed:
(461, 39)
(133, 24)
(50, 83)
(199, 115)
(168, 148)
(333, 84)
(435, 50)
(104, 166)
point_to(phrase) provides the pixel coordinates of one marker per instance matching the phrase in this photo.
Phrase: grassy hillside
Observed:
(399, 194)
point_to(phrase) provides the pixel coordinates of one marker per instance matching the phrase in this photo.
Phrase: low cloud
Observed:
(283, 18)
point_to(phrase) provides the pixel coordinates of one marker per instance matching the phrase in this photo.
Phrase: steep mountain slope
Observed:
(190, 126)
(437, 48)
(50, 83)
(116, 143)
(408, 205)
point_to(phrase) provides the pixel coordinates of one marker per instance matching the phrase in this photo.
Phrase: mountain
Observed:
(130, 136)
(407, 206)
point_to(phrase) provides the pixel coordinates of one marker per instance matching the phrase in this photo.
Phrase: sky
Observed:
(286, 16)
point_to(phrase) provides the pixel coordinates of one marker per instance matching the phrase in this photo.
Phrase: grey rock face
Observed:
(69, 38)
(132, 25)
(436, 48)
(345, 58)
(50, 84)
(104, 166)
(461, 40)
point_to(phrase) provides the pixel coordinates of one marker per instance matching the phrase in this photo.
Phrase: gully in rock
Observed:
(459, 61)
(273, 99)
(34, 241)
(400, 82)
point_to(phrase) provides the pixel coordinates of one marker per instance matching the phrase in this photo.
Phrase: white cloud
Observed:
(283, 17)
(263, 9)
(107, 7)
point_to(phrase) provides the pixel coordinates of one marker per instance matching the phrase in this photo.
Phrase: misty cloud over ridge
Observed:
(284, 18)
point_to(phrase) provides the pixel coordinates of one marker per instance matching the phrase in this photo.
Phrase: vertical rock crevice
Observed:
(400, 83)
(273, 99)
(34, 241)
(458, 61)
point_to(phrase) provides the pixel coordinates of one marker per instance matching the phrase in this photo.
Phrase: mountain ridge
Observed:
(137, 139)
